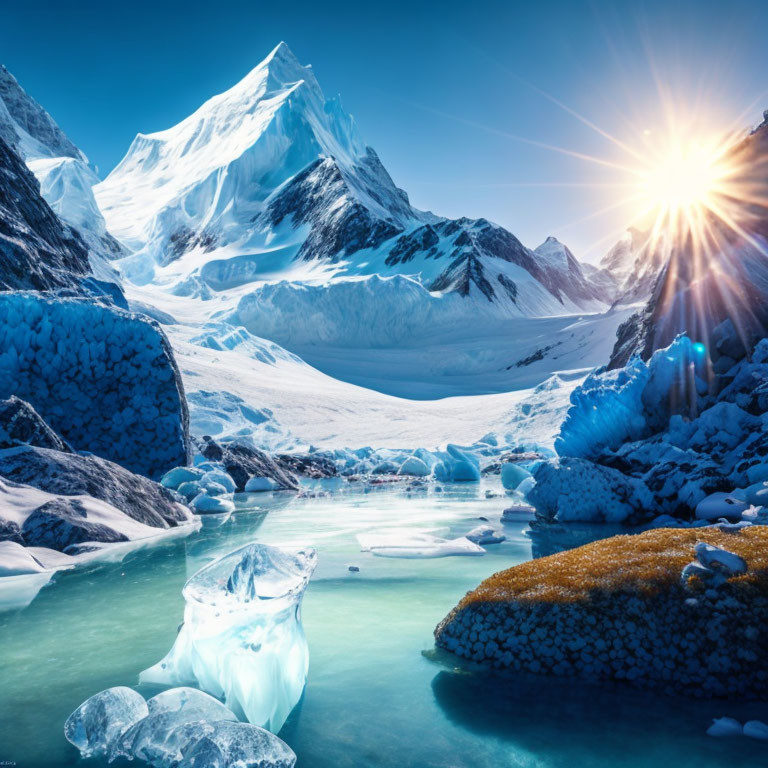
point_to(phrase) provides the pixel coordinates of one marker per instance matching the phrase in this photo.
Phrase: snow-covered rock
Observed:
(67, 474)
(242, 462)
(115, 392)
(242, 637)
(21, 424)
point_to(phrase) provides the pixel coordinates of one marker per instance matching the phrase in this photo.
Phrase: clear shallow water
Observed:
(376, 694)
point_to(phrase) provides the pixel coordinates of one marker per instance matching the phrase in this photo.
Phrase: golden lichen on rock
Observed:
(643, 563)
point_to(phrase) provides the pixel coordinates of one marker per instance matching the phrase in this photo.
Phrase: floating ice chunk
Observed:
(220, 477)
(414, 466)
(485, 534)
(177, 718)
(718, 505)
(756, 729)
(242, 638)
(725, 726)
(464, 468)
(412, 543)
(517, 513)
(99, 722)
(232, 745)
(259, 484)
(184, 699)
(512, 475)
(713, 557)
(205, 504)
(189, 489)
(15, 560)
(173, 478)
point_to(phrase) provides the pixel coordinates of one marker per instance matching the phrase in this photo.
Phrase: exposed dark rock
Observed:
(312, 197)
(37, 251)
(314, 465)
(242, 462)
(59, 523)
(10, 531)
(70, 474)
(21, 424)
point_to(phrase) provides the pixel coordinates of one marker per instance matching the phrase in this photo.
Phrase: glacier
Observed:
(242, 637)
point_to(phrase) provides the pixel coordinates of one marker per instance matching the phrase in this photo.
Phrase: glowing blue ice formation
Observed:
(242, 638)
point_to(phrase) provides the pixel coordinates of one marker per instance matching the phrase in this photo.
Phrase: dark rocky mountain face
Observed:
(718, 297)
(37, 251)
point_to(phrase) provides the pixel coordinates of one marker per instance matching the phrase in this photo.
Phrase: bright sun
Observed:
(684, 179)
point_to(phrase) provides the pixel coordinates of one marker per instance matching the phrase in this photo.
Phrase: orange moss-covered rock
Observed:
(617, 609)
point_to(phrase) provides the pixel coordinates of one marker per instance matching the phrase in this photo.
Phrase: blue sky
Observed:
(449, 93)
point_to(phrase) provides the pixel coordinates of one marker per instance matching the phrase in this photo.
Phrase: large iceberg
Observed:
(242, 638)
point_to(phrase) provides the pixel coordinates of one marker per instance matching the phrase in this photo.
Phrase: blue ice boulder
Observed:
(102, 378)
(512, 475)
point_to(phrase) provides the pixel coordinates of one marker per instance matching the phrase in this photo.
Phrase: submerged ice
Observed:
(242, 638)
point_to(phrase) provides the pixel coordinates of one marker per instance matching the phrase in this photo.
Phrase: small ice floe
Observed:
(512, 475)
(720, 504)
(485, 534)
(204, 504)
(756, 729)
(260, 484)
(414, 543)
(518, 513)
(725, 726)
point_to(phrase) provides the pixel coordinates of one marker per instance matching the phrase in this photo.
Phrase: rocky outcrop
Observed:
(69, 474)
(61, 523)
(105, 380)
(21, 424)
(313, 465)
(242, 462)
(618, 609)
(36, 250)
